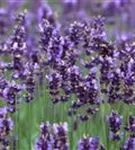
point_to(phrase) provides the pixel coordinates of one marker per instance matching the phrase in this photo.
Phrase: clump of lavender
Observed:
(6, 126)
(56, 137)
(53, 137)
(23, 66)
(15, 49)
(90, 143)
(78, 61)
(115, 123)
(62, 55)
(51, 56)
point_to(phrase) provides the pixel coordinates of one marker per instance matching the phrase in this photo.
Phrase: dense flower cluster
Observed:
(80, 65)
(85, 48)
(62, 54)
(53, 137)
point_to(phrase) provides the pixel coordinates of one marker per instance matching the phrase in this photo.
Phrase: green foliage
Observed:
(28, 118)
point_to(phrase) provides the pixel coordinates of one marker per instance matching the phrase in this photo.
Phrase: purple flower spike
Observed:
(60, 136)
(89, 143)
(131, 125)
(44, 142)
(129, 144)
(53, 137)
(6, 126)
(115, 123)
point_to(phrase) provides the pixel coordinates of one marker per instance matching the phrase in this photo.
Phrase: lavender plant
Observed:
(53, 137)
(63, 64)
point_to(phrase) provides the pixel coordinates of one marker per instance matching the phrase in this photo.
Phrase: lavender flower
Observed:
(54, 84)
(6, 126)
(89, 143)
(131, 125)
(60, 136)
(129, 144)
(46, 30)
(45, 139)
(115, 123)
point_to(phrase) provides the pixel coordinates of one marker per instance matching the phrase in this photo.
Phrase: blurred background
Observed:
(119, 14)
